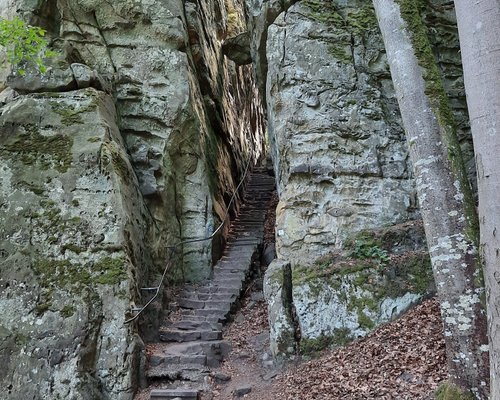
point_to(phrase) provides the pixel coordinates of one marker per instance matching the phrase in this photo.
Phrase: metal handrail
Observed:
(175, 246)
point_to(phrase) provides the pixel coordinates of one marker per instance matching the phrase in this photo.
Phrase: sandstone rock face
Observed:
(345, 295)
(338, 147)
(351, 303)
(190, 117)
(72, 249)
(134, 140)
(172, 85)
(262, 14)
(278, 295)
(340, 157)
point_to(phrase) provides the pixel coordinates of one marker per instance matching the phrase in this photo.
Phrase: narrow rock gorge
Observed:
(136, 138)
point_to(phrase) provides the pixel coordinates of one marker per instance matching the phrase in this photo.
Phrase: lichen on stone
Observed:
(37, 150)
(434, 89)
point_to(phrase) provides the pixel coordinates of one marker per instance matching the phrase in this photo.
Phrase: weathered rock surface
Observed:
(92, 199)
(340, 159)
(278, 295)
(261, 15)
(76, 76)
(189, 117)
(345, 295)
(334, 128)
(82, 231)
(238, 49)
(337, 144)
(69, 249)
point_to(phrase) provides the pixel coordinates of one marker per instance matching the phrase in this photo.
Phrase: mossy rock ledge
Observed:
(374, 279)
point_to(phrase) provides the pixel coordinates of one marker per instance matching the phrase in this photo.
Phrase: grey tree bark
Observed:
(479, 31)
(444, 193)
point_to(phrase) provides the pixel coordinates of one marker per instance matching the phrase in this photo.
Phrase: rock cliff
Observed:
(337, 144)
(339, 152)
(136, 138)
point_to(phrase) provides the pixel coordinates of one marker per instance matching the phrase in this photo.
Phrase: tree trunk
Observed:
(479, 31)
(446, 202)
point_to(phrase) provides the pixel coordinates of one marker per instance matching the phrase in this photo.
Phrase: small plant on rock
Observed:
(366, 250)
(24, 45)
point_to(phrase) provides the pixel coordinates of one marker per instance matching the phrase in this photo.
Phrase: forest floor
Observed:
(402, 360)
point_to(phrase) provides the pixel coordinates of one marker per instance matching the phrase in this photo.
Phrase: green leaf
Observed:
(25, 45)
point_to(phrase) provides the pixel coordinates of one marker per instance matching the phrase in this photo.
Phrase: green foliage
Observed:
(312, 347)
(367, 250)
(448, 391)
(24, 44)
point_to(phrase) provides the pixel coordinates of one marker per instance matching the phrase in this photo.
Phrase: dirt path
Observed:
(249, 365)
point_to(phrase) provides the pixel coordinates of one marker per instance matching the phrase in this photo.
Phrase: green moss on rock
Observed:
(339, 337)
(36, 189)
(65, 273)
(37, 150)
(21, 339)
(328, 270)
(112, 156)
(449, 391)
(347, 22)
(325, 11)
(365, 321)
(60, 273)
(72, 247)
(341, 53)
(72, 114)
(110, 270)
(67, 311)
(69, 114)
(362, 19)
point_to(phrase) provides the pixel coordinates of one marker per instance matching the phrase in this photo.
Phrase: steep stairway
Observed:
(191, 340)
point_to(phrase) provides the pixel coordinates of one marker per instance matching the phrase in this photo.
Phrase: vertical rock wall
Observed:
(340, 158)
(335, 133)
(72, 249)
(176, 97)
(337, 143)
(134, 139)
